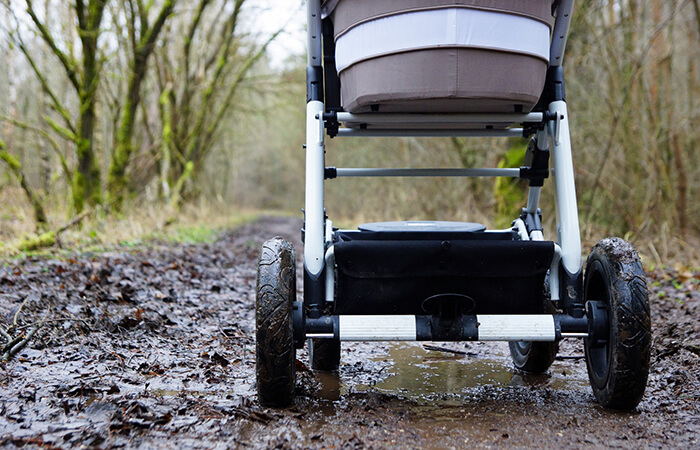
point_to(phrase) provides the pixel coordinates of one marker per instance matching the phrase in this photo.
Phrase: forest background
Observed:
(120, 117)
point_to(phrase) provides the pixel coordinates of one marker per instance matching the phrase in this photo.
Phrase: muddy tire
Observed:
(274, 344)
(324, 354)
(618, 362)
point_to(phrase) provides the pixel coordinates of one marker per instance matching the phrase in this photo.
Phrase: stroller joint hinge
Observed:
(530, 128)
(533, 221)
(314, 83)
(536, 167)
(536, 175)
(330, 172)
(330, 121)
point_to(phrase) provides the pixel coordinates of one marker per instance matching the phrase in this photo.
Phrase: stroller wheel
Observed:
(533, 357)
(617, 357)
(324, 354)
(274, 344)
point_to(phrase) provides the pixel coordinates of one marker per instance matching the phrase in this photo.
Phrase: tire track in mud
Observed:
(154, 347)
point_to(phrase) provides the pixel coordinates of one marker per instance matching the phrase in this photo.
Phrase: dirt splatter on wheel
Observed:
(274, 345)
(617, 357)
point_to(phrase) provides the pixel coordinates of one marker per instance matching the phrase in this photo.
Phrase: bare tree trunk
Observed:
(141, 53)
(84, 76)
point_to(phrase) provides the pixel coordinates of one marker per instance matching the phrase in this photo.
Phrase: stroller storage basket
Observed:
(441, 56)
(484, 273)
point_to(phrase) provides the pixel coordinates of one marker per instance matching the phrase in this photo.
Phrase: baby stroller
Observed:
(474, 68)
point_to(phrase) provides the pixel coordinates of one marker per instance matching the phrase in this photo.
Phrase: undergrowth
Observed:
(199, 222)
(138, 226)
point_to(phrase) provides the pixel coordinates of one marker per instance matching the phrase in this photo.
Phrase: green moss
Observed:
(509, 193)
(10, 160)
(31, 243)
(79, 188)
(200, 234)
(195, 235)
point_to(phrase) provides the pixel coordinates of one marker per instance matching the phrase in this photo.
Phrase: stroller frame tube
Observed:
(352, 132)
(313, 33)
(314, 214)
(438, 118)
(561, 32)
(363, 172)
(565, 189)
(314, 229)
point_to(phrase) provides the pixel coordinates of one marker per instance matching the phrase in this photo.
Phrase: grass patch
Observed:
(141, 226)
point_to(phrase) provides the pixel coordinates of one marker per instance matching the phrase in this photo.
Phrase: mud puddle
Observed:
(442, 395)
(428, 372)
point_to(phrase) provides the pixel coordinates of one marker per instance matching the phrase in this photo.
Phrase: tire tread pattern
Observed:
(616, 263)
(274, 346)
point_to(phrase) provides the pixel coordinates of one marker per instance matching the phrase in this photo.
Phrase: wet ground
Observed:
(154, 348)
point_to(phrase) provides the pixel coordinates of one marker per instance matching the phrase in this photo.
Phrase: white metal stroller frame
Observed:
(584, 309)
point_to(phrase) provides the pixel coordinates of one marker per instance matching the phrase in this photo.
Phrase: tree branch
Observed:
(16, 169)
(64, 164)
(621, 107)
(234, 87)
(69, 65)
(190, 34)
(221, 58)
(148, 39)
(56, 104)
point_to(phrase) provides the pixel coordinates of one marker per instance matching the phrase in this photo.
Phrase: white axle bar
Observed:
(531, 327)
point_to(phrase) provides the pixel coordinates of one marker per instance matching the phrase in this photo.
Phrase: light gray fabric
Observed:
(347, 13)
(442, 28)
(443, 79)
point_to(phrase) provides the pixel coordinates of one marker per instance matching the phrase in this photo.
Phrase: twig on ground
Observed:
(14, 321)
(232, 335)
(436, 348)
(18, 343)
(63, 319)
(250, 414)
(74, 221)
(6, 335)
(11, 343)
(21, 344)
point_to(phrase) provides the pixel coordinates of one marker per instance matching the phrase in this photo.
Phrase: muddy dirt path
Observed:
(154, 348)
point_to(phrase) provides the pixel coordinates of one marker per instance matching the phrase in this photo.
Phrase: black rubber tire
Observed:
(274, 343)
(535, 357)
(324, 354)
(618, 368)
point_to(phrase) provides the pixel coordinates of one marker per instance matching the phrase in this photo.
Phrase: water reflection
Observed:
(420, 373)
(329, 385)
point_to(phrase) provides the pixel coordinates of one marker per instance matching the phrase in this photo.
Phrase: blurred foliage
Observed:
(632, 90)
(510, 193)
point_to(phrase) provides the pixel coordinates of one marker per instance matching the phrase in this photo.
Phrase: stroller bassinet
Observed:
(441, 56)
